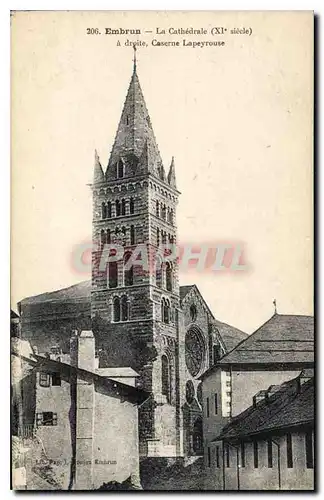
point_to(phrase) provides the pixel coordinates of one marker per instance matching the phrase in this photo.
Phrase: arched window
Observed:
(132, 235)
(118, 210)
(164, 236)
(165, 311)
(128, 273)
(169, 277)
(197, 437)
(171, 216)
(157, 236)
(217, 352)
(102, 237)
(108, 238)
(158, 271)
(166, 377)
(123, 207)
(124, 309)
(112, 274)
(116, 309)
(163, 212)
(108, 213)
(120, 169)
(131, 206)
(157, 209)
(103, 210)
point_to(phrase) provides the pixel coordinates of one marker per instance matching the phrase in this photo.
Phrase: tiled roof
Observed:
(75, 292)
(79, 291)
(183, 290)
(282, 339)
(132, 394)
(290, 406)
(230, 335)
(79, 294)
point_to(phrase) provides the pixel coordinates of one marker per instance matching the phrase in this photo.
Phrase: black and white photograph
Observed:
(162, 316)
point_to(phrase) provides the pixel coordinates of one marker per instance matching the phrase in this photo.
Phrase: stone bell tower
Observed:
(135, 309)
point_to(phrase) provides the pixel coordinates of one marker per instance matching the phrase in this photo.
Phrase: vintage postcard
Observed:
(162, 333)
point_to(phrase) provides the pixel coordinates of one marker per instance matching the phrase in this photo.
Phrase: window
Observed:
(165, 311)
(124, 309)
(46, 418)
(56, 379)
(227, 455)
(255, 454)
(132, 235)
(199, 393)
(116, 309)
(270, 457)
(163, 212)
(289, 452)
(123, 207)
(193, 312)
(217, 456)
(109, 210)
(216, 404)
(164, 236)
(127, 120)
(157, 236)
(169, 277)
(309, 450)
(131, 206)
(216, 352)
(208, 457)
(102, 237)
(242, 454)
(157, 209)
(207, 407)
(112, 274)
(120, 169)
(108, 237)
(103, 211)
(44, 379)
(166, 378)
(118, 208)
(171, 216)
(128, 272)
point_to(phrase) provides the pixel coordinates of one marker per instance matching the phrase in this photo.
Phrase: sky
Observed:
(237, 119)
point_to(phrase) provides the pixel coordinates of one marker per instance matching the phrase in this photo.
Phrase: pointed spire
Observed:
(171, 175)
(98, 175)
(134, 133)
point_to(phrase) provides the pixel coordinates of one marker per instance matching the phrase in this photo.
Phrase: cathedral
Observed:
(141, 318)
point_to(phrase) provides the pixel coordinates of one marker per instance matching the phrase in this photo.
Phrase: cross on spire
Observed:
(275, 305)
(134, 60)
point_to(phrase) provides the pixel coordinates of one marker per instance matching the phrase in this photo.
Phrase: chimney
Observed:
(306, 375)
(259, 396)
(86, 351)
(272, 390)
(82, 349)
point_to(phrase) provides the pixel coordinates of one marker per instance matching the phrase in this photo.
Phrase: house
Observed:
(274, 353)
(85, 418)
(270, 445)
